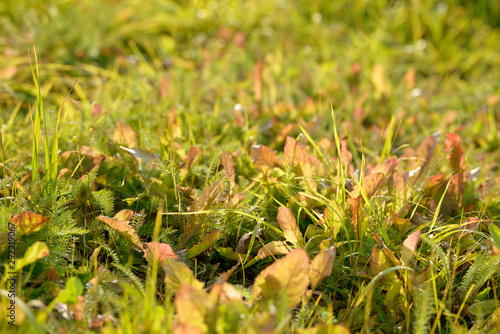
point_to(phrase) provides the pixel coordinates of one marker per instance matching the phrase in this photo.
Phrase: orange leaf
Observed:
(29, 222)
(228, 164)
(409, 247)
(125, 135)
(193, 151)
(294, 153)
(158, 251)
(264, 157)
(456, 154)
(386, 167)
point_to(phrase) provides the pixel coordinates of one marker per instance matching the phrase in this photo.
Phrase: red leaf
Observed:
(159, 251)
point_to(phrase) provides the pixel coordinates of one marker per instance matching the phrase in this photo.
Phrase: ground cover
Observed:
(227, 166)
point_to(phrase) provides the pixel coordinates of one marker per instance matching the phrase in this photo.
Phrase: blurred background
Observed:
(250, 68)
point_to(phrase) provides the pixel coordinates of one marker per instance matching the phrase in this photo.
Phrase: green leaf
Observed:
(229, 253)
(74, 288)
(207, 241)
(495, 234)
(35, 252)
(177, 273)
(333, 217)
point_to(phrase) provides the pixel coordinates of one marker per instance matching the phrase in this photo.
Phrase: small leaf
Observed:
(409, 247)
(228, 164)
(401, 223)
(289, 275)
(177, 273)
(207, 241)
(124, 135)
(228, 253)
(124, 216)
(371, 183)
(74, 288)
(387, 167)
(425, 151)
(379, 262)
(124, 229)
(225, 292)
(235, 200)
(35, 252)
(399, 190)
(495, 234)
(273, 248)
(29, 222)
(158, 251)
(264, 157)
(484, 308)
(333, 217)
(456, 153)
(321, 266)
(245, 239)
(193, 151)
(289, 227)
(355, 208)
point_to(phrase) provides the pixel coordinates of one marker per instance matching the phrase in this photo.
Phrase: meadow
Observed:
(249, 166)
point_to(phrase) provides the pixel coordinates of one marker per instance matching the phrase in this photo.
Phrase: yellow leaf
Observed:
(289, 227)
(321, 266)
(289, 275)
(124, 229)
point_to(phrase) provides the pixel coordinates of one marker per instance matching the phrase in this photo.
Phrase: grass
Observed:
(222, 167)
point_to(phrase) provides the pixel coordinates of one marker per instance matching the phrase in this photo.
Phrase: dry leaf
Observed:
(193, 306)
(409, 247)
(177, 273)
(456, 153)
(193, 151)
(289, 227)
(289, 275)
(273, 248)
(244, 241)
(264, 157)
(257, 79)
(124, 135)
(321, 266)
(124, 229)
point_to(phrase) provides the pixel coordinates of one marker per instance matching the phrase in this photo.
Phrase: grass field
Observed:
(250, 166)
